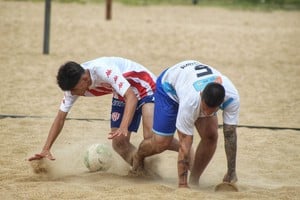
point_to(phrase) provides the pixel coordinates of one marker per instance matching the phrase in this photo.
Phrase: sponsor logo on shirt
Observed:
(118, 103)
(199, 85)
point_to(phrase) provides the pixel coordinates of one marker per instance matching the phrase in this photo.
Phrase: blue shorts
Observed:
(117, 111)
(165, 111)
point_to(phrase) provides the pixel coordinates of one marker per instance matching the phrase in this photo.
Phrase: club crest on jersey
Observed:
(115, 116)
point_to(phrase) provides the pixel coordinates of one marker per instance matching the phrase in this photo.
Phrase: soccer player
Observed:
(188, 95)
(132, 86)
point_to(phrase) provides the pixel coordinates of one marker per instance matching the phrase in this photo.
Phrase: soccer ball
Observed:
(98, 157)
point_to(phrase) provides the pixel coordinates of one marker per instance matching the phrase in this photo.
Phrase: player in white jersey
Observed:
(188, 95)
(132, 86)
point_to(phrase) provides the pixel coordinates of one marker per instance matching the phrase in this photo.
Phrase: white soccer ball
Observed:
(98, 157)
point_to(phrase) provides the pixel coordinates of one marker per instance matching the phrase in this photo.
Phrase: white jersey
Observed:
(114, 75)
(183, 83)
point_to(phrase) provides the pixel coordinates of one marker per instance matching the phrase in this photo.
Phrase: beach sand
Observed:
(257, 50)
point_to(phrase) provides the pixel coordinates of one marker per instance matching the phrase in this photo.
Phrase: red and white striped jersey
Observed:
(114, 75)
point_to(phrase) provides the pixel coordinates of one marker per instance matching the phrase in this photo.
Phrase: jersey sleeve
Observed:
(113, 76)
(67, 101)
(231, 112)
(185, 119)
(231, 105)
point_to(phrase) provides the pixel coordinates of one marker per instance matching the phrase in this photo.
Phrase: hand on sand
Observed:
(43, 154)
(230, 178)
(226, 187)
(228, 184)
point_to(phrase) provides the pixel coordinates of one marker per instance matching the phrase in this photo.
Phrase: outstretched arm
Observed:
(53, 133)
(230, 138)
(130, 107)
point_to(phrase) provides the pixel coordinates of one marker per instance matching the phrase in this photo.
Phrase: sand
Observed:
(258, 50)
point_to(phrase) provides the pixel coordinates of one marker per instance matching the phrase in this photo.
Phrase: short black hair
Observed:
(69, 75)
(213, 94)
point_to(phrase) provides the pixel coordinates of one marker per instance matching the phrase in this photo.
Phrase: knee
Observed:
(211, 138)
(161, 146)
(185, 148)
(119, 144)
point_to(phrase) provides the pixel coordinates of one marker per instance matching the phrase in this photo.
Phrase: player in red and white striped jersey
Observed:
(132, 87)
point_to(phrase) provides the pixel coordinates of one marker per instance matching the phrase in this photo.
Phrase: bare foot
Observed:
(136, 173)
(144, 173)
(183, 186)
(137, 163)
(193, 182)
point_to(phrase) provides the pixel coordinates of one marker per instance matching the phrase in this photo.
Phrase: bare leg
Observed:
(208, 131)
(148, 147)
(152, 143)
(174, 146)
(147, 114)
(147, 111)
(124, 148)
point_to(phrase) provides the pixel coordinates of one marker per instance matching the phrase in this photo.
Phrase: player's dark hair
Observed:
(213, 95)
(69, 75)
